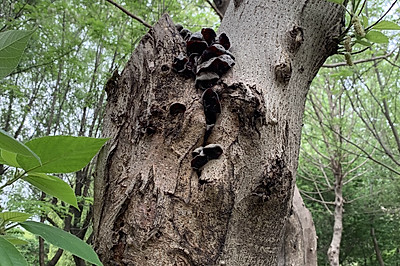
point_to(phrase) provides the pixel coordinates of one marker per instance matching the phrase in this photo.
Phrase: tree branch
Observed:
(376, 22)
(314, 199)
(358, 61)
(130, 14)
(220, 15)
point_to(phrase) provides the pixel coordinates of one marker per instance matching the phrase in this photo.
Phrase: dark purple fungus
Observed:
(213, 151)
(195, 47)
(185, 33)
(209, 35)
(206, 80)
(219, 65)
(199, 161)
(179, 27)
(207, 58)
(212, 106)
(197, 151)
(179, 63)
(224, 41)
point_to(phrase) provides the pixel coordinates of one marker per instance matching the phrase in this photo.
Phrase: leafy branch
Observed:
(37, 158)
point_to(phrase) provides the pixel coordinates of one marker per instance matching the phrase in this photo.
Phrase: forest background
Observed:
(350, 130)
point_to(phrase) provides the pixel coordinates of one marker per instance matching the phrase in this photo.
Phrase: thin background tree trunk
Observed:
(150, 208)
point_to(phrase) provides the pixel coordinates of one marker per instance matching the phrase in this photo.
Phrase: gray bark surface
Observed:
(150, 208)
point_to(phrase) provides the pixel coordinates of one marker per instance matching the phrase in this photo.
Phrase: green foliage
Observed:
(376, 37)
(6, 217)
(12, 46)
(60, 154)
(10, 144)
(53, 186)
(14, 240)
(63, 240)
(10, 255)
(386, 25)
(76, 153)
(336, 1)
(369, 96)
(359, 33)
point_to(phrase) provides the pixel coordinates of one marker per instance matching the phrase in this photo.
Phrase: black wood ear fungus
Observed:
(199, 161)
(218, 65)
(208, 35)
(197, 151)
(205, 80)
(202, 155)
(207, 59)
(179, 63)
(185, 33)
(214, 50)
(212, 106)
(213, 151)
(195, 47)
(224, 41)
(179, 27)
(205, 52)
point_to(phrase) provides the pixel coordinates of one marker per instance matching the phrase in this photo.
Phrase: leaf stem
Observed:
(12, 180)
(371, 26)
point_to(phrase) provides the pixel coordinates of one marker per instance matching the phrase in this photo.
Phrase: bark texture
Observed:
(334, 248)
(151, 208)
(300, 246)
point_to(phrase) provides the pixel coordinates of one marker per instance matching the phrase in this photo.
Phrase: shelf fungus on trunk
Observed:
(207, 59)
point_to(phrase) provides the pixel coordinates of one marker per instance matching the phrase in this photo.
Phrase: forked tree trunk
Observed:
(151, 208)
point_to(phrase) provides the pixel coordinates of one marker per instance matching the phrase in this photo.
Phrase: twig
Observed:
(371, 26)
(314, 199)
(358, 61)
(220, 15)
(130, 14)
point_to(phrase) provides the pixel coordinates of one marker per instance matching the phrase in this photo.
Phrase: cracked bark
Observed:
(150, 208)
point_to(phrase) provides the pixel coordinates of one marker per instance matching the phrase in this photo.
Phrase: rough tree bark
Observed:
(151, 208)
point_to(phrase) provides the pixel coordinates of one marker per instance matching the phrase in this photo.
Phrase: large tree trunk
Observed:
(151, 208)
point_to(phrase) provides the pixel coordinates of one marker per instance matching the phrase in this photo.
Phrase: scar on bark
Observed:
(295, 38)
(283, 69)
(275, 181)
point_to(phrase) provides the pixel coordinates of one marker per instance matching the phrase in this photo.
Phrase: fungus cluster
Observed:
(207, 58)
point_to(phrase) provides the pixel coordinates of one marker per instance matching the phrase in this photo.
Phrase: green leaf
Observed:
(364, 42)
(364, 21)
(15, 240)
(61, 154)
(12, 46)
(346, 72)
(386, 25)
(9, 158)
(53, 186)
(9, 255)
(14, 216)
(63, 240)
(10, 144)
(376, 37)
(336, 1)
